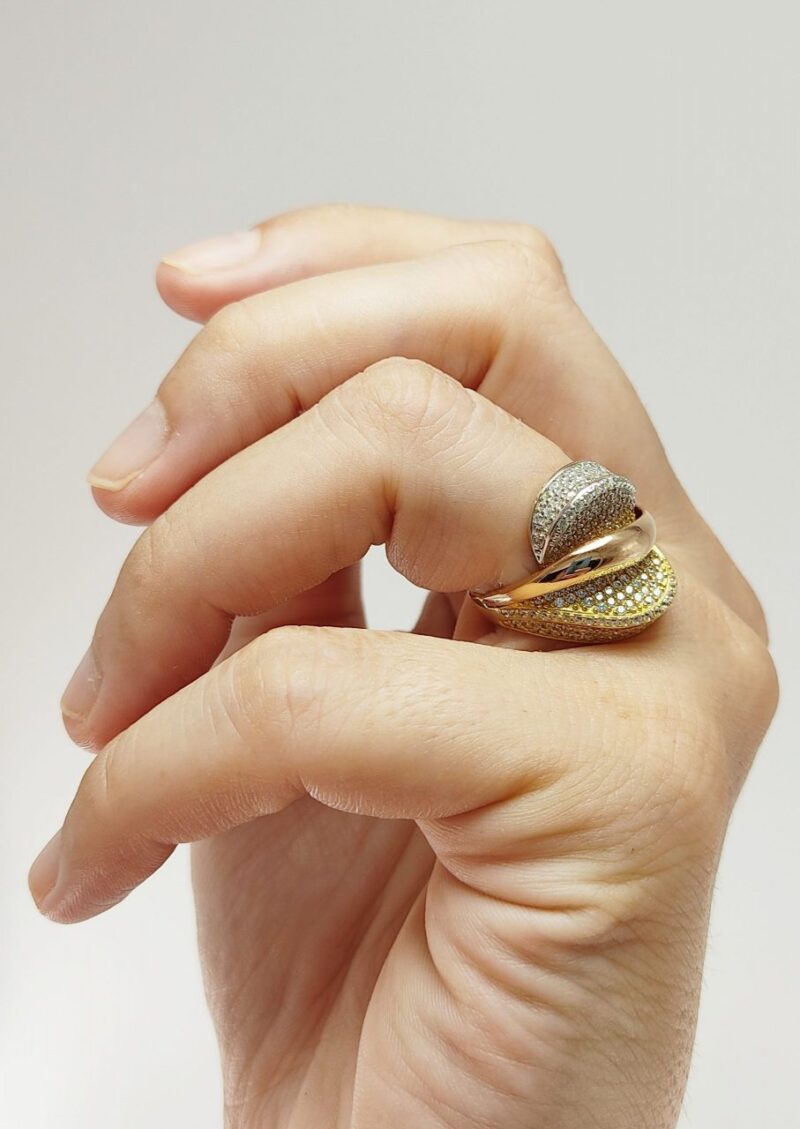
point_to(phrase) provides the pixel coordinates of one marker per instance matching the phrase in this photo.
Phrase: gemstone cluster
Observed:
(582, 500)
(580, 504)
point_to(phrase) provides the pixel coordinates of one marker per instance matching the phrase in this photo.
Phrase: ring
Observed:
(601, 576)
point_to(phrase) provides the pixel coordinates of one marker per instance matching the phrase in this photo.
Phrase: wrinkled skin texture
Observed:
(459, 878)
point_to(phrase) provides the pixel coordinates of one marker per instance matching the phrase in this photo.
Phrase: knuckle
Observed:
(752, 690)
(764, 679)
(223, 363)
(230, 329)
(756, 669)
(745, 688)
(527, 235)
(402, 394)
(148, 562)
(274, 684)
(535, 271)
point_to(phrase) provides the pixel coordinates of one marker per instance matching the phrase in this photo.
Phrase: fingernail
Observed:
(44, 872)
(221, 253)
(133, 451)
(81, 691)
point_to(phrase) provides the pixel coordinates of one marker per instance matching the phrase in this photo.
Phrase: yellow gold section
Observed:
(606, 607)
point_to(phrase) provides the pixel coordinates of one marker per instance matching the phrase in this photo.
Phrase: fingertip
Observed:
(199, 296)
(75, 726)
(199, 279)
(117, 506)
(43, 874)
(185, 293)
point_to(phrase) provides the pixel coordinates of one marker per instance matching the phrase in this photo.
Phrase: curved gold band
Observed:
(613, 550)
(609, 581)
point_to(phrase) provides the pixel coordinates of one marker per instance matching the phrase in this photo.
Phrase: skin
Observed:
(453, 878)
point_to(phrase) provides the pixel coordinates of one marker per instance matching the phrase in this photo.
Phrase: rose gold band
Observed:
(604, 554)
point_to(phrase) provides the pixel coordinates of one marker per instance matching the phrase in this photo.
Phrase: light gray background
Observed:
(657, 146)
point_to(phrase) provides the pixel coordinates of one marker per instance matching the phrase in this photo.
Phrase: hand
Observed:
(480, 895)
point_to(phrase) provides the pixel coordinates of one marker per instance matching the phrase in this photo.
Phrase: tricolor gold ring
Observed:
(600, 577)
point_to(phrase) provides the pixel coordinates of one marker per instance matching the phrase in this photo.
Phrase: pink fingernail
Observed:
(82, 689)
(43, 874)
(224, 252)
(133, 451)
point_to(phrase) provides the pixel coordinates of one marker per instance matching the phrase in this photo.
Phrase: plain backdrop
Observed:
(657, 145)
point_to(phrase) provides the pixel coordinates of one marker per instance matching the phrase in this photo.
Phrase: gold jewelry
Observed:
(601, 575)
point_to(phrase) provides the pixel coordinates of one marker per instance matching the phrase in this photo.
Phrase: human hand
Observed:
(510, 928)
